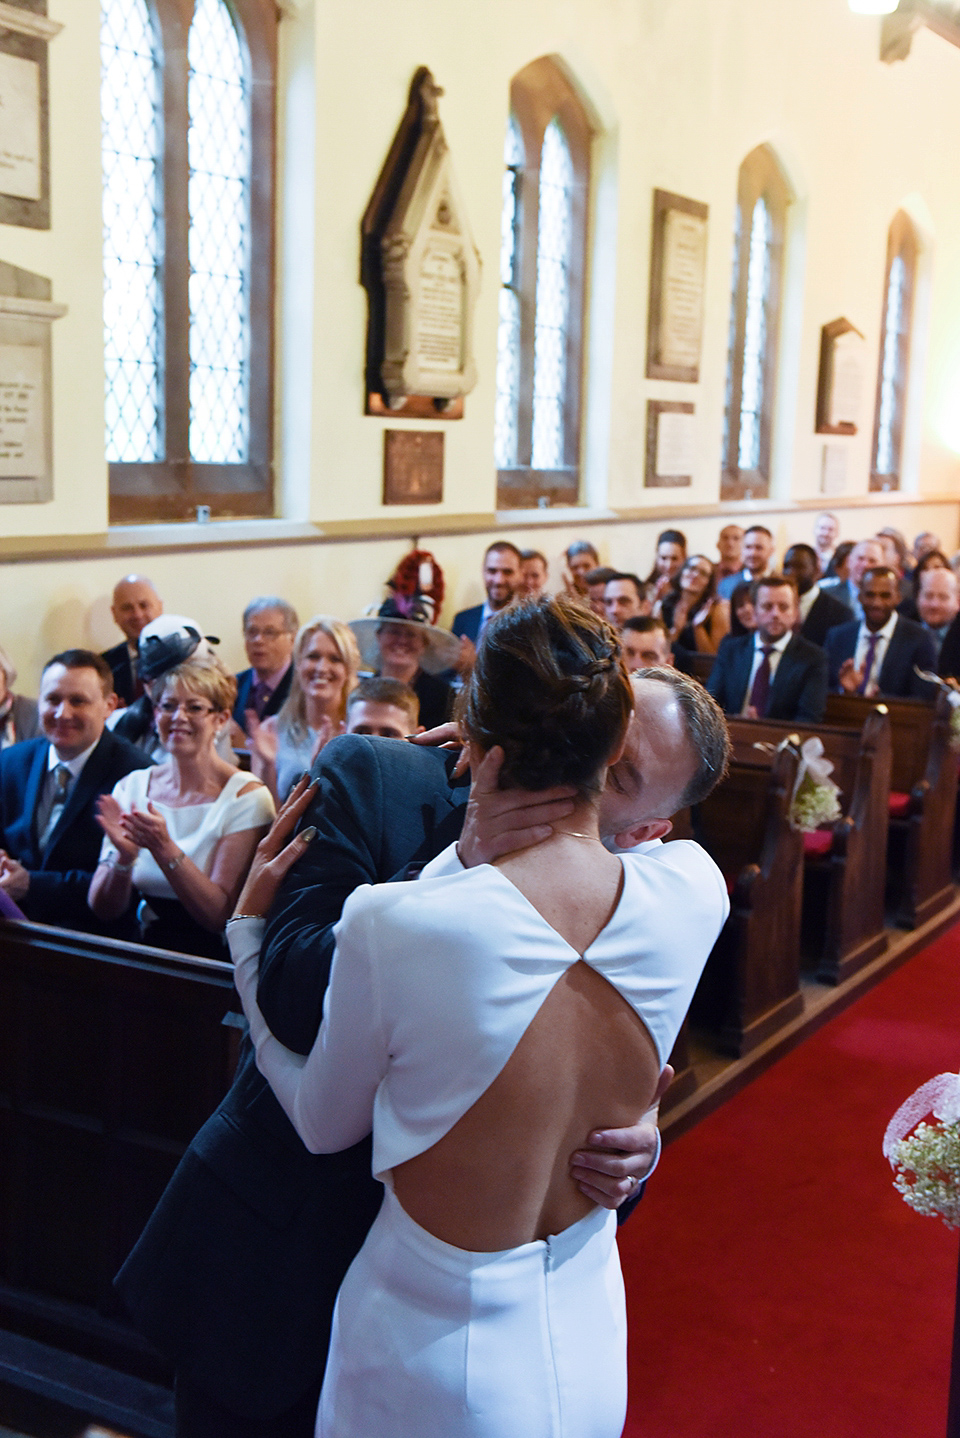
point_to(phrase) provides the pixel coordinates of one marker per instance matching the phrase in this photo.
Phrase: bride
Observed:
(465, 1014)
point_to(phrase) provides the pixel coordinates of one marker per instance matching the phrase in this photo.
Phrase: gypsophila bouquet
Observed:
(948, 687)
(815, 801)
(925, 1157)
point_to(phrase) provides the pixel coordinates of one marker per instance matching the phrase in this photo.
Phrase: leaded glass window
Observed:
(508, 330)
(188, 104)
(542, 265)
(132, 231)
(553, 300)
(762, 201)
(219, 202)
(894, 354)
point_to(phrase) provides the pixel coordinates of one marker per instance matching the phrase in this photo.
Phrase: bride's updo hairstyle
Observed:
(549, 687)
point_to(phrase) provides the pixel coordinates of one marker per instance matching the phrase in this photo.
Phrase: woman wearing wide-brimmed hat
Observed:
(400, 642)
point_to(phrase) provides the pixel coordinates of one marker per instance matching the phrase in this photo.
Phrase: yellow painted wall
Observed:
(681, 90)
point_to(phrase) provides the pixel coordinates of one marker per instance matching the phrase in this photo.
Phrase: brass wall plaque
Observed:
(412, 466)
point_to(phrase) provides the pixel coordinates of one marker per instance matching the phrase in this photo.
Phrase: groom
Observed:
(235, 1275)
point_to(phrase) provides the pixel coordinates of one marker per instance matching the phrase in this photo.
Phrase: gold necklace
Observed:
(574, 835)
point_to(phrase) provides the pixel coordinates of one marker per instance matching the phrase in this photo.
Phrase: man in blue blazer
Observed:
(235, 1275)
(49, 787)
(772, 673)
(880, 654)
(502, 578)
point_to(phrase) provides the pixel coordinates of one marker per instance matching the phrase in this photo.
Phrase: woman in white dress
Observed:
(181, 834)
(325, 664)
(486, 1022)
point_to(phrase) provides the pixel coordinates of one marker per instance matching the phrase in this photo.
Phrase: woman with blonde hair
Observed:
(180, 835)
(325, 664)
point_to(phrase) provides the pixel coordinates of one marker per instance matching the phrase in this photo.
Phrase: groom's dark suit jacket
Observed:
(799, 688)
(235, 1275)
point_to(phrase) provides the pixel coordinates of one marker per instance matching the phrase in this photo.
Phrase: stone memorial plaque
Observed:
(26, 405)
(671, 436)
(429, 271)
(678, 266)
(840, 378)
(439, 319)
(20, 127)
(412, 466)
(25, 32)
(21, 411)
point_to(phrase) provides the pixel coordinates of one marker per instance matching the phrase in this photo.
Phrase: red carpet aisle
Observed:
(778, 1286)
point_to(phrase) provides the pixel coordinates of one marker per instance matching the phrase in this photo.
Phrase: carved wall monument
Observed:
(24, 116)
(26, 448)
(420, 344)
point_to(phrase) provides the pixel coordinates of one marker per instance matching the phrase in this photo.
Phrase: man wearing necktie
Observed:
(880, 655)
(772, 673)
(49, 836)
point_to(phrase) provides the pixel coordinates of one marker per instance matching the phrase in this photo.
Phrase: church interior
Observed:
(758, 286)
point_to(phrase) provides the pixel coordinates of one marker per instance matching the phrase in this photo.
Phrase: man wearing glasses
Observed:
(269, 628)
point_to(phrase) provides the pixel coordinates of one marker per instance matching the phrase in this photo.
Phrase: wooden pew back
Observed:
(111, 1057)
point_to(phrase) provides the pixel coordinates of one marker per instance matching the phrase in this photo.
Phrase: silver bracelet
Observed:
(172, 864)
(235, 918)
(120, 868)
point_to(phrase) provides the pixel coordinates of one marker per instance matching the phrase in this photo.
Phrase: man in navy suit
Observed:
(819, 610)
(772, 673)
(235, 1275)
(880, 654)
(135, 605)
(49, 788)
(502, 579)
(269, 628)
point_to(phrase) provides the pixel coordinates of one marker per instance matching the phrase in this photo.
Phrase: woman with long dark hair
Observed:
(695, 618)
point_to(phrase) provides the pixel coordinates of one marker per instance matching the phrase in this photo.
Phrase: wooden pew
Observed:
(751, 984)
(845, 870)
(923, 802)
(111, 1057)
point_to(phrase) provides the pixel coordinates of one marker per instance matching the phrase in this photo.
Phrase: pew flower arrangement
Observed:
(925, 1157)
(814, 803)
(952, 691)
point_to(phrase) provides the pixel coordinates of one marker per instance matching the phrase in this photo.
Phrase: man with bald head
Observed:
(867, 554)
(135, 604)
(938, 604)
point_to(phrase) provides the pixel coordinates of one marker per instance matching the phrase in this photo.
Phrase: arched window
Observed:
(542, 265)
(187, 100)
(896, 322)
(763, 196)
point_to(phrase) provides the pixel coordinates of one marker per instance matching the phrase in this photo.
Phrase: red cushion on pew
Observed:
(818, 842)
(898, 804)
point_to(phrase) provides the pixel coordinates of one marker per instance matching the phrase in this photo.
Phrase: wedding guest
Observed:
(695, 617)
(269, 628)
(181, 834)
(534, 572)
(596, 581)
(136, 604)
(671, 554)
(581, 557)
(730, 550)
(383, 708)
(743, 619)
(826, 532)
(401, 643)
(325, 665)
(18, 715)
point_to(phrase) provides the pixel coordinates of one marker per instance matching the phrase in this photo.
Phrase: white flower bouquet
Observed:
(925, 1157)
(815, 801)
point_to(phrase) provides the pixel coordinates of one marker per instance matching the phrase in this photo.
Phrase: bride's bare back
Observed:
(499, 1177)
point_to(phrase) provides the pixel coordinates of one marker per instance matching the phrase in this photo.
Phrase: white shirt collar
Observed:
(885, 633)
(779, 646)
(808, 600)
(74, 765)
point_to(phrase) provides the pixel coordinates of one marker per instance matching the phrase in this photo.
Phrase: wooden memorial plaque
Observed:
(412, 466)
(678, 265)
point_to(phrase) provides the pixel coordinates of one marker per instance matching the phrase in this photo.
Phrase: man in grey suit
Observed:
(772, 673)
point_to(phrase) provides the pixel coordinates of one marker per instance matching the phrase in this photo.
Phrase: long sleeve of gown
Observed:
(329, 1095)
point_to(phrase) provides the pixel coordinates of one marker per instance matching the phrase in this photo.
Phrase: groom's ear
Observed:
(643, 833)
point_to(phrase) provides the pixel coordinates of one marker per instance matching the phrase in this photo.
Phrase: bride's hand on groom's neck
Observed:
(501, 821)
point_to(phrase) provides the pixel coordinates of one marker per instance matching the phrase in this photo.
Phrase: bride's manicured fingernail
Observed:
(307, 834)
